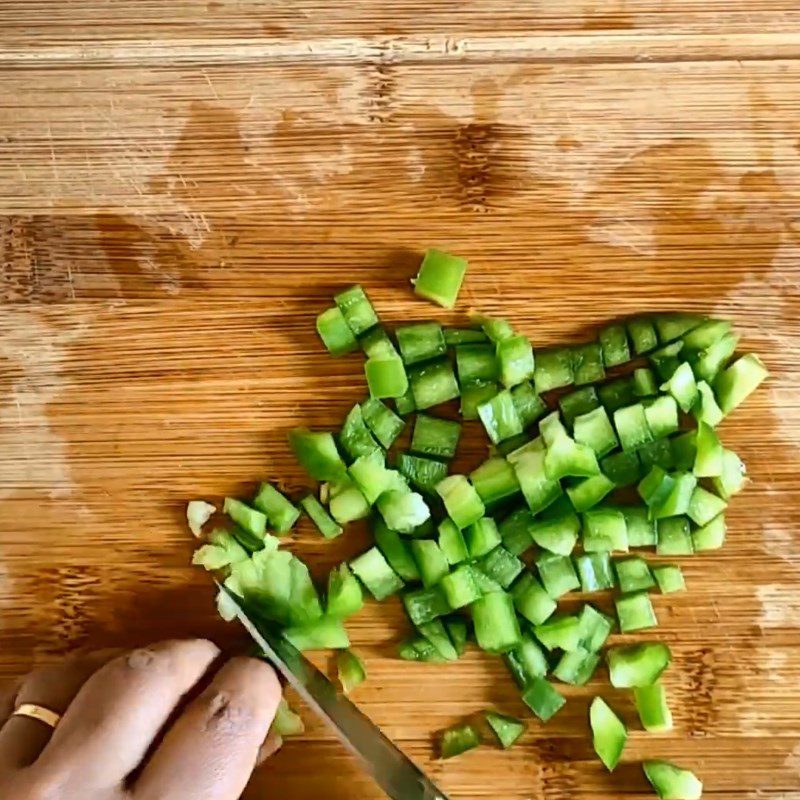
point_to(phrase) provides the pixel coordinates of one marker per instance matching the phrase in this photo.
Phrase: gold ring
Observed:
(44, 715)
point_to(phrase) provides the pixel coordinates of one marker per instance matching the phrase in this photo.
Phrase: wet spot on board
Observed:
(567, 143)
(145, 257)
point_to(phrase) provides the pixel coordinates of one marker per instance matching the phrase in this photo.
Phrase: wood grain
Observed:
(182, 191)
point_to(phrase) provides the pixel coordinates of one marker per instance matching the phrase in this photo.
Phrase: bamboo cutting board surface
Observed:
(182, 188)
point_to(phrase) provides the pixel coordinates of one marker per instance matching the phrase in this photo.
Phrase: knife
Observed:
(389, 767)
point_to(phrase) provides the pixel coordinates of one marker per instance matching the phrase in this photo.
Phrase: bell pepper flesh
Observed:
(543, 699)
(674, 537)
(669, 578)
(635, 612)
(396, 550)
(605, 530)
(576, 667)
(385, 425)
(671, 782)
(351, 671)
(458, 740)
(499, 417)
(373, 570)
(651, 705)
(609, 735)
(589, 492)
(317, 454)
(632, 428)
(420, 342)
(594, 570)
(614, 343)
(424, 605)
(635, 665)
(433, 383)
(529, 405)
(464, 505)
(430, 561)
(495, 481)
(356, 309)
(526, 661)
(507, 729)
(587, 364)
(552, 370)
(634, 575)
(711, 536)
(501, 566)
(595, 628)
(557, 574)
(557, 528)
(562, 632)
(515, 358)
(461, 587)
(581, 401)
(642, 334)
(325, 523)
(451, 542)
(736, 383)
(335, 333)
(440, 277)
(531, 600)
(496, 626)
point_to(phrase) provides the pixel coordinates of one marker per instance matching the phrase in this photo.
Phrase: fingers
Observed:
(212, 748)
(8, 698)
(22, 739)
(109, 727)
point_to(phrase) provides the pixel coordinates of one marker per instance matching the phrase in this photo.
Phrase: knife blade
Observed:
(389, 767)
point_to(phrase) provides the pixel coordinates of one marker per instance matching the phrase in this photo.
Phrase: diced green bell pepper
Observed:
(373, 570)
(543, 699)
(482, 536)
(421, 341)
(669, 578)
(461, 587)
(317, 454)
(501, 566)
(499, 417)
(733, 477)
(458, 740)
(451, 542)
(531, 600)
(335, 333)
(635, 612)
(706, 408)
(496, 626)
(604, 530)
(633, 575)
(559, 632)
(704, 506)
(376, 342)
(736, 383)
(355, 437)
(526, 661)
(635, 665)
(430, 561)
(463, 504)
(617, 394)
(350, 669)
(581, 401)
(507, 729)
(403, 511)
(247, 518)
(515, 357)
(474, 395)
(586, 494)
(495, 481)
(385, 425)
(396, 550)
(662, 416)
(708, 461)
(594, 570)
(642, 334)
(671, 782)
(424, 605)
(632, 427)
(454, 337)
(587, 363)
(711, 536)
(609, 735)
(529, 405)
(557, 528)
(651, 704)
(641, 529)
(557, 574)
(553, 369)
(594, 429)
(674, 537)
(422, 473)
(433, 383)
(440, 277)
(614, 341)
(595, 628)
(644, 382)
(623, 469)
(357, 309)
(325, 633)
(576, 667)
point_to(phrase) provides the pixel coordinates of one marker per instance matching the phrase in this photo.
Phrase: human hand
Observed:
(160, 723)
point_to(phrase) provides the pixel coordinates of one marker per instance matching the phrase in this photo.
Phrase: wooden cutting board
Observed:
(182, 188)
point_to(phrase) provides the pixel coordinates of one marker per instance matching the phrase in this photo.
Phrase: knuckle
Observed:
(254, 676)
(166, 656)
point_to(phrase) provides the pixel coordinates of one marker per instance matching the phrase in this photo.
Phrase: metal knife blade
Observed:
(390, 768)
